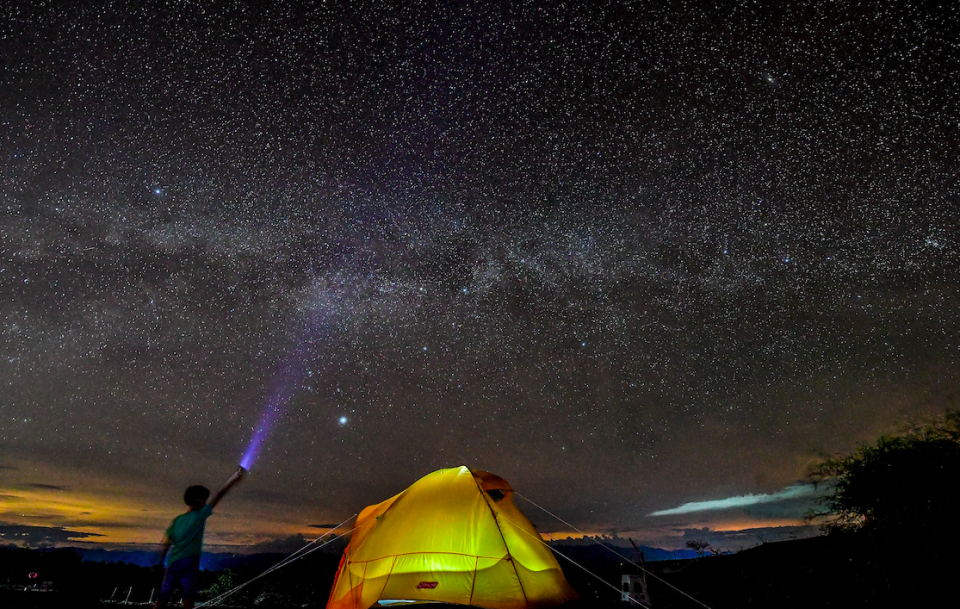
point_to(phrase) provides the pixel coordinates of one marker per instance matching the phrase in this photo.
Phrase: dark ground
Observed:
(849, 572)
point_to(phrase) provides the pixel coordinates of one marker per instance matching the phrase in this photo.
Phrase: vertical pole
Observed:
(644, 595)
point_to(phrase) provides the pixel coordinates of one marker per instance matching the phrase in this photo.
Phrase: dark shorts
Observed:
(183, 574)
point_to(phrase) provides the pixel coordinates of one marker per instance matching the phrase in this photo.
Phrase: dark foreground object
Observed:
(847, 571)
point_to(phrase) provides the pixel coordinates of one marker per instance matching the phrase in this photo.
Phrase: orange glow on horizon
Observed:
(128, 521)
(743, 525)
(137, 512)
(133, 512)
(112, 520)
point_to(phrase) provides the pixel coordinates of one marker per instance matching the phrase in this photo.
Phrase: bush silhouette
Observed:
(904, 485)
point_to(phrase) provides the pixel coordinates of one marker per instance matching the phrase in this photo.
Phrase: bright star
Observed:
(342, 420)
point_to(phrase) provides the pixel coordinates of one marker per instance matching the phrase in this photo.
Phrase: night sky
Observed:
(626, 255)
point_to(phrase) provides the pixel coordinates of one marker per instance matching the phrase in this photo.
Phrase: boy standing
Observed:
(184, 542)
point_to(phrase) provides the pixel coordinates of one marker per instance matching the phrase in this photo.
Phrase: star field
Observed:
(627, 257)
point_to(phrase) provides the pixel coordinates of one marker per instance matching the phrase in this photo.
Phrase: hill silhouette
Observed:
(848, 570)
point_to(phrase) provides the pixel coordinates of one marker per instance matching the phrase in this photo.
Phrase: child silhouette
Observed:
(183, 542)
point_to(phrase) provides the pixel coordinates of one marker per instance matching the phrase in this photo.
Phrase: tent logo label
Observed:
(426, 585)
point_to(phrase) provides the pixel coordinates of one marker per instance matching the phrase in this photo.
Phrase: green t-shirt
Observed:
(186, 534)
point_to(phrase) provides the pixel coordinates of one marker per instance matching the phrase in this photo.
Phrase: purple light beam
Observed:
(284, 387)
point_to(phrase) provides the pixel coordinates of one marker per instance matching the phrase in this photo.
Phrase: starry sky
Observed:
(646, 261)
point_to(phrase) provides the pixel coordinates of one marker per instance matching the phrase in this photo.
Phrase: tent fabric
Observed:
(454, 536)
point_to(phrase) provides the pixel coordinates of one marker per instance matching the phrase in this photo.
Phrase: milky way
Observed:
(626, 257)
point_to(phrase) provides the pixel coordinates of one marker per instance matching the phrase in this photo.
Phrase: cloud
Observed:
(285, 545)
(750, 537)
(293, 543)
(321, 526)
(37, 536)
(101, 524)
(45, 487)
(796, 491)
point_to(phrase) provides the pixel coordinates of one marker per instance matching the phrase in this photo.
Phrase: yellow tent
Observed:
(455, 536)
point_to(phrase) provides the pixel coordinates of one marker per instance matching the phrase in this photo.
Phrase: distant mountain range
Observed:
(598, 547)
(268, 555)
(211, 561)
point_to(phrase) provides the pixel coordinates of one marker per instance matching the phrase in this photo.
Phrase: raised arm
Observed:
(236, 477)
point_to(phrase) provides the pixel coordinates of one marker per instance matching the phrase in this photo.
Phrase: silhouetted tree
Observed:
(699, 546)
(902, 485)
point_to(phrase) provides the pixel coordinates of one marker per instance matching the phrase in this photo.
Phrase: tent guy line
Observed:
(307, 549)
(594, 575)
(653, 575)
(283, 563)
